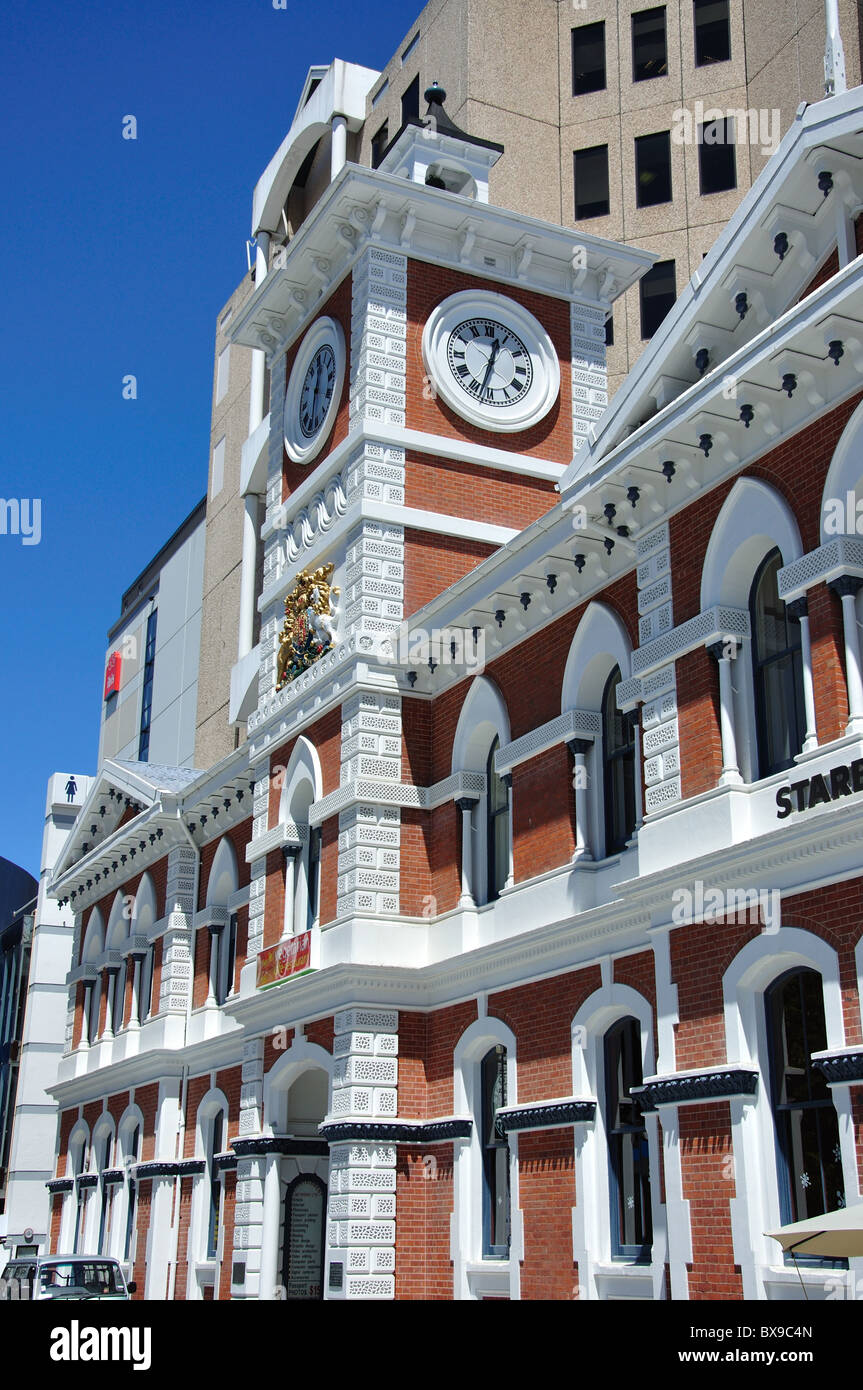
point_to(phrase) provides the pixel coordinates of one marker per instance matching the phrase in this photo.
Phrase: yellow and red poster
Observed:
(286, 958)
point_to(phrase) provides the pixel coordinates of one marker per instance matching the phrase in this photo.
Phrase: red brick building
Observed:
(516, 952)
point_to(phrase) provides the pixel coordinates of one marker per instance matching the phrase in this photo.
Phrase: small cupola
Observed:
(432, 150)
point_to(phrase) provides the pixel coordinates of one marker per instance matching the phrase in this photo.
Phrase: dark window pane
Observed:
(618, 747)
(653, 169)
(411, 101)
(495, 1152)
(497, 828)
(649, 49)
(379, 144)
(712, 32)
(588, 58)
(807, 1128)
(629, 1158)
(609, 331)
(717, 166)
(658, 293)
(591, 182)
(777, 671)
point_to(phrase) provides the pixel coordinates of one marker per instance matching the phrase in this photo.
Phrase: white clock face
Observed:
(314, 390)
(491, 360)
(317, 393)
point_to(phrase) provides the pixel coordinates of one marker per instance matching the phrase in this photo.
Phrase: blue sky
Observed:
(118, 255)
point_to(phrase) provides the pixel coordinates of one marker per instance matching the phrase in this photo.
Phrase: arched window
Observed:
(104, 1161)
(495, 1156)
(618, 746)
(628, 1153)
(215, 1209)
(497, 827)
(807, 1128)
(130, 1158)
(95, 1006)
(78, 1165)
(313, 875)
(777, 667)
(226, 958)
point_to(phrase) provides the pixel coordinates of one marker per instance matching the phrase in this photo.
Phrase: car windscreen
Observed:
(16, 1281)
(94, 1276)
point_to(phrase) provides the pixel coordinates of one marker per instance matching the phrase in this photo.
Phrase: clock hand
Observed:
(316, 390)
(495, 349)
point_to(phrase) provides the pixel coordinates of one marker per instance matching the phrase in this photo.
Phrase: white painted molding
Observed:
(576, 723)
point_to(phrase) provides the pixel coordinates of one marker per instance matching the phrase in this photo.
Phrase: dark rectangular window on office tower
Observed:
(658, 291)
(653, 169)
(717, 165)
(588, 58)
(649, 45)
(591, 182)
(411, 101)
(379, 144)
(147, 692)
(712, 32)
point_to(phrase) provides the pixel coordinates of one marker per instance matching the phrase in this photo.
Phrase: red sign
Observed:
(286, 958)
(112, 673)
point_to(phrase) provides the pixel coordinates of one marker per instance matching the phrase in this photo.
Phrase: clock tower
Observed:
(435, 364)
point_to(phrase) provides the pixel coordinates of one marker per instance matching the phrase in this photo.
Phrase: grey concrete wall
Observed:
(220, 612)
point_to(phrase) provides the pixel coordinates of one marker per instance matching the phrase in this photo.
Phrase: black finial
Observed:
(435, 94)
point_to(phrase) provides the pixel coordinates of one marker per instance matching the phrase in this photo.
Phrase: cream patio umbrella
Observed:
(837, 1235)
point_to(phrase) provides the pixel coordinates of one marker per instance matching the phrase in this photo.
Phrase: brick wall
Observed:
(546, 1178)
(338, 307)
(552, 437)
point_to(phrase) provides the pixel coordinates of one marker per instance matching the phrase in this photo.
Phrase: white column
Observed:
(270, 1278)
(579, 747)
(798, 610)
(250, 520)
(259, 360)
(847, 587)
(510, 869)
(290, 889)
(135, 1018)
(467, 899)
(247, 575)
(721, 652)
(834, 55)
(214, 966)
(110, 986)
(339, 146)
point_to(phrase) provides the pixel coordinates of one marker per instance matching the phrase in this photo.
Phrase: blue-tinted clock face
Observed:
(317, 393)
(489, 362)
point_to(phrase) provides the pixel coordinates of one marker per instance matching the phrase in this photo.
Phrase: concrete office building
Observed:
(150, 695)
(588, 101)
(36, 956)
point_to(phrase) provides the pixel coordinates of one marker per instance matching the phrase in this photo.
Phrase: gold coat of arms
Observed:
(308, 630)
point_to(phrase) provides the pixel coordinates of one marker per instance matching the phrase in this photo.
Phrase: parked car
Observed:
(64, 1277)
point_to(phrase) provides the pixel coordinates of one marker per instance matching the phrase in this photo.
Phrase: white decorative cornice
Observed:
(837, 558)
(364, 206)
(288, 834)
(468, 785)
(575, 723)
(713, 625)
